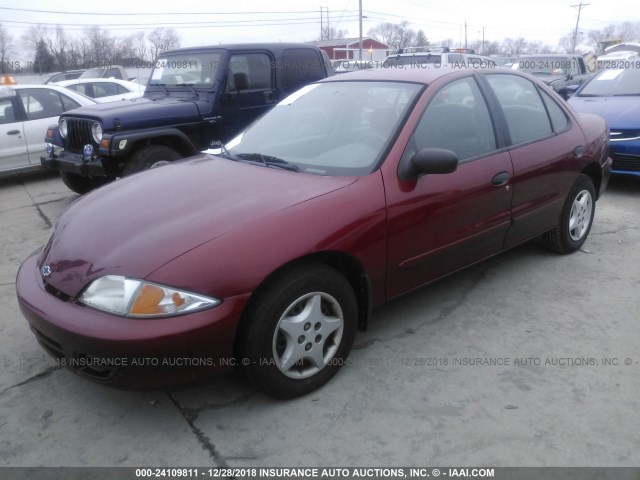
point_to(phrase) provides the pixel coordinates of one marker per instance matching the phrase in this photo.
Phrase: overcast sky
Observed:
(212, 22)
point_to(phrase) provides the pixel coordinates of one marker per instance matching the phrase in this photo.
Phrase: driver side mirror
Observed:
(428, 161)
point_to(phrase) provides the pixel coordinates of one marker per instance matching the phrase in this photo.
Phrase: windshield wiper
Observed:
(163, 85)
(267, 161)
(189, 85)
(224, 153)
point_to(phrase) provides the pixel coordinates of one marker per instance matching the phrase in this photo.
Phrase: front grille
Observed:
(628, 163)
(78, 134)
(619, 135)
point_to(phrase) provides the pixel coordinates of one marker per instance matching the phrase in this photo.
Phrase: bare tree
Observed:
(383, 32)
(6, 49)
(516, 46)
(403, 36)
(101, 46)
(330, 33)
(162, 39)
(58, 43)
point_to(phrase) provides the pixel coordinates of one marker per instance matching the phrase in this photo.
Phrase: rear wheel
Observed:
(299, 331)
(150, 157)
(575, 220)
(82, 185)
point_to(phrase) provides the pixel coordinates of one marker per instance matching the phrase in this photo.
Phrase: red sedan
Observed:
(270, 255)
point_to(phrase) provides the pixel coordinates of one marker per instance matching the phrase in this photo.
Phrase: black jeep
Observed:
(195, 99)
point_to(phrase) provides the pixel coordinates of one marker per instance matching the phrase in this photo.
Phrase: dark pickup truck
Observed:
(195, 99)
(559, 71)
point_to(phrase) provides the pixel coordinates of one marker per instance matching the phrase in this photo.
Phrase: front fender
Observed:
(121, 143)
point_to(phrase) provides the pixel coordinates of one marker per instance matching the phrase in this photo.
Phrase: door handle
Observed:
(13, 132)
(500, 178)
(578, 151)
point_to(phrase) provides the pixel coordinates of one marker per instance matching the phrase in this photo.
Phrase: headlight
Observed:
(96, 132)
(62, 124)
(130, 297)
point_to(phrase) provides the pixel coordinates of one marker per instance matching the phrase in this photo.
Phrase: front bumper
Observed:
(74, 163)
(626, 157)
(125, 352)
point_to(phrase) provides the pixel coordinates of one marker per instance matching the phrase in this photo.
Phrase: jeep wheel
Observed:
(150, 157)
(82, 185)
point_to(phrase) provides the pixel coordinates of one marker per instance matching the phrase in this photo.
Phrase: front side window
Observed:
(524, 111)
(249, 71)
(457, 119)
(333, 128)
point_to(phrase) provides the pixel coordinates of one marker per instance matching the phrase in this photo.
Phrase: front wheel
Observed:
(82, 185)
(575, 220)
(150, 157)
(298, 332)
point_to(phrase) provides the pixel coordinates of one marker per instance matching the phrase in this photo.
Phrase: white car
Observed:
(104, 90)
(26, 111)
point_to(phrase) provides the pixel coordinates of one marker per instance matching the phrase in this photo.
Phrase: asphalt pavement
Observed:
(527, 359)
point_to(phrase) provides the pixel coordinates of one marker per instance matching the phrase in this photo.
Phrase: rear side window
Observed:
(300, 66)
(40, 103)
(68, 103)
(559, 119)
(523, 108)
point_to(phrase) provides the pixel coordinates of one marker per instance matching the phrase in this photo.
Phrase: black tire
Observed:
(575, 220)
(321, 338)
(82, 185)
(149, 157)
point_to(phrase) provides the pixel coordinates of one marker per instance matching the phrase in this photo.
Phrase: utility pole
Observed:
(321, 26)
(360, 18)
(465, 36)
(575, 32)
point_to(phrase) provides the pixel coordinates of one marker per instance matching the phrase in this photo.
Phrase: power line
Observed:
(152, 14)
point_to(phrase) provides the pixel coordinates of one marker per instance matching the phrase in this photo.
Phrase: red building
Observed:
(348, 48)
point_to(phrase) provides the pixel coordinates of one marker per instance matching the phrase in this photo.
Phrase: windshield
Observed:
(613, 82)
(194, 69)
(336, 128)
(546, 65)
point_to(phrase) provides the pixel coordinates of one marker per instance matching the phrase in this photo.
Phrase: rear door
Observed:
(13, 143)
(544, 146)
(42, 107)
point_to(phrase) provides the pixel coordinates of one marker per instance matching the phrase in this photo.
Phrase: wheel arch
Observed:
(344, 263)
(594, 172)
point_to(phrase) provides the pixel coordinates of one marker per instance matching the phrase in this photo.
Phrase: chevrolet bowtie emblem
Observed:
(46, 271)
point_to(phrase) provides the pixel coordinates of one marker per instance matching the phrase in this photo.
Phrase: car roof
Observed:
(276, 47)
(75, 81)
(415, 75)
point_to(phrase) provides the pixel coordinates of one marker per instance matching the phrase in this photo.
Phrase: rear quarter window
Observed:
(300, 66)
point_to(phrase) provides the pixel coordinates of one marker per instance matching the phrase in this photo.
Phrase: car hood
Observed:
(136, 225)
(620, 113)
(140, 112)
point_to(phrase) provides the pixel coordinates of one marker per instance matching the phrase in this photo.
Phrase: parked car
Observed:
(104, 90)
(559, 71)
(438, 58)
(62, 76)
(615, 95)
(349, 193)
(113, 71)
(345, 66)
(26, 111)
(195, 98)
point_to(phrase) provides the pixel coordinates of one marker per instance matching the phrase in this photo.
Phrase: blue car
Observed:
(615, 96)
